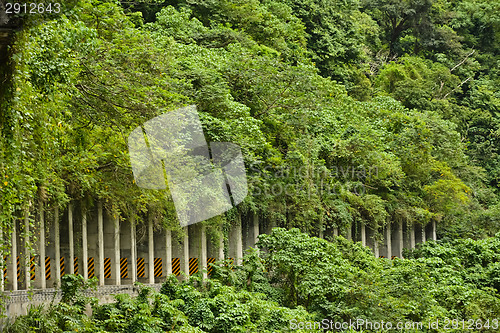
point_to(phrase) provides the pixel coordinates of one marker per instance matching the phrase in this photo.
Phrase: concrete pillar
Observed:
(434, 236)
(151, 248)
(13, 257)
(221, 247)
(423, 234)
(256, 231)
(2, 281)
(376, 251)
(41, 250)
(336, 231)
(239, 242)
(349, 232)
(100, 240)
(57, 241)
(203, 263)
(388, 239)
(186, 250)
(85, 245)
(133, 249)
(363, 234)
(27, 252)
(71, 242)
(168, 250)
(271, 224)
(159, 252)
(400, 239)
(412, 236)
(116, 261)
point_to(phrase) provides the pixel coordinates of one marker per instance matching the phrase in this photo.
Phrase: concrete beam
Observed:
(256, 231)
(400, 239)
(168, 250)
(85, 245)
(349, 232)
(151, 248)
(363, 234)
(13, 258)
(221, 246)
(41, 250)
(71, 241)
(57, 241)
(186, 250)
(203, 264)
(133, 249)
(412, 236)
(116, 261)
(388, 239)
(239, 241)
(27, 252)
(100, 240)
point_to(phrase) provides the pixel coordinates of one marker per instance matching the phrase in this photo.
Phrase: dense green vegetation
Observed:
(300, 279)
(403, 93)
(370, 111)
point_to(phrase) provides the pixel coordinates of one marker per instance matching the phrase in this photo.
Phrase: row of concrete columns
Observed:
(156, 243)
(395, 240)
(13, 269)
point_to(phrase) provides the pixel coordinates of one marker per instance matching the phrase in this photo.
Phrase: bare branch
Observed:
(461, 62)
(280, 96)
(461, 84)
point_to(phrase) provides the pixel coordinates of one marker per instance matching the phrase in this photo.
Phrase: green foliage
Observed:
(370, 112)
(256, 70)
(67, 315)
(293, 276)
(73, 287)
